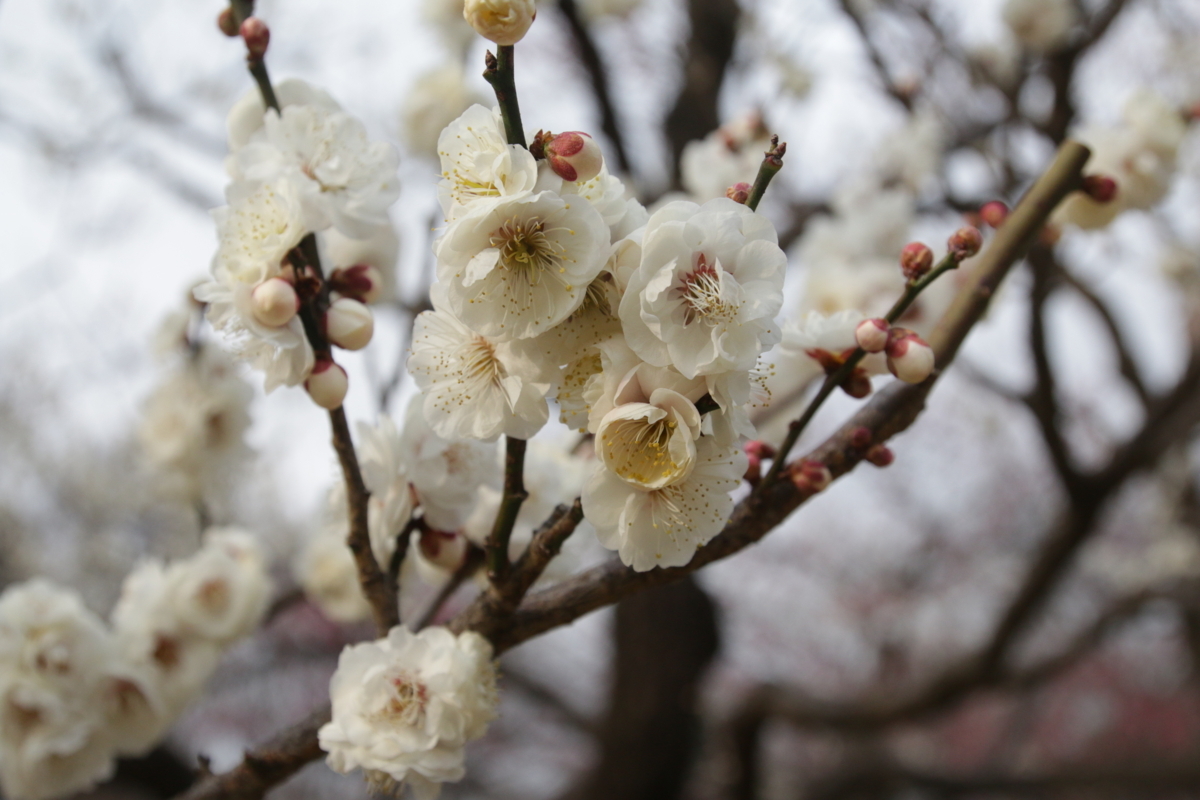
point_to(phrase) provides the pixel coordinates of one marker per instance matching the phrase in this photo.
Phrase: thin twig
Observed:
(510, 506)
(771, 164)
(500, 75)
(589, 56)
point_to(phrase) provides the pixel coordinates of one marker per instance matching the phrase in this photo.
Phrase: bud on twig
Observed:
(872, 335)
(327, 385)
(909, 358)
(504, 22)
(274, 302)
(810, 476)
(227, 23)
(574, 156)
(993, 213)
(880, 455)
(861, 437)
(915, 260)
(362, 282)
(739, 192)
(759, 448)
(1100, 188)
(257, 36)
(349, 324)
(965, 242)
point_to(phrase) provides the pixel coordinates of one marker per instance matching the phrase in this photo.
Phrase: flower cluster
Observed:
(76, 693)
(405, 706)
(564, 290)
(303, 170)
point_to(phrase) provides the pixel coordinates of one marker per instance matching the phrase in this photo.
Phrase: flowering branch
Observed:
(510, 506)
(771, 164)
(499, 74)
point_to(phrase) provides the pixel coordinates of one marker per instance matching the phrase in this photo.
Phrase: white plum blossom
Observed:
(522, 265)
(479, 166)
(246, 117)
(817, 341)
(664, 527)
(56, 661)
(405, 706)
(705, 295)
(391, 502)
(438, 97)
(221, 593)
(343, 178)
(445, 474)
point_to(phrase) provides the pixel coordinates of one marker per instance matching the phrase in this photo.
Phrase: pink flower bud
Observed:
(349, 324)
(327, 385)
(810, 476)
(872, 334)
(227, 23)
(880, 455)
(757, 447)
(361, 282)
(861, 437)
(739, 192)
(994, 213)
(965, 242)
(444, 549)
(915, 261)
(574, 156)
(909, 358)
(275, 302)
(1100, 188)
(256, 35)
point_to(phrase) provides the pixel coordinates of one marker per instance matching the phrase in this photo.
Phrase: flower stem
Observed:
(771, 164)
(258, 69)
(500, 75)
(835, 379)
(510, 505)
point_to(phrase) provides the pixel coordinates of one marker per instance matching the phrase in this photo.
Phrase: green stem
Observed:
(500, 75)
(510, 505)
(258, 69)
(771, 164)
(836, 378)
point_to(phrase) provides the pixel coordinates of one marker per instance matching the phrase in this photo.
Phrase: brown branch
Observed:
(510, 505)
(267, 765)
(589, 56)
(876, 55)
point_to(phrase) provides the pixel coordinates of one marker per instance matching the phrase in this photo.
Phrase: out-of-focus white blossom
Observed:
(405, 706)
(437, 98)
(729, 155)
(343, 179)
(384, 473)
(325, 567)
(710, 283)
(475, 387)
(446, 16)
(1041, 25)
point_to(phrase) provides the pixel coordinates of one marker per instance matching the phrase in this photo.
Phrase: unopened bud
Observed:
(915, 261)
(444, 549)
(502, 21)
(349, 324)
(872, 335)
(994, 213)
(857, 384)
(327, 385)
(739, 192)
(227, 23)
(909, 358)
(361, 282)
(861, 437)
(1100, 188)
(880, 455)
(810, 476)
(574, 156)
(274, 302)
(753, 470)
(757, 447)
(256, 35)
(965, 242)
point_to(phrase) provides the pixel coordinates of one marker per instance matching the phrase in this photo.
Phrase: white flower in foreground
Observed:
(664, 527)
(504, 22)
(246, 117)
(1041, 25)
(405, 706)
(437, 98)
(344, 179)
(475, 387)
(479, 166)
(384, 472)
(652, 443)
(705, 295)
(56, 661)
(444, 473)
(257, 229)
(523, 265)
(325, 567)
